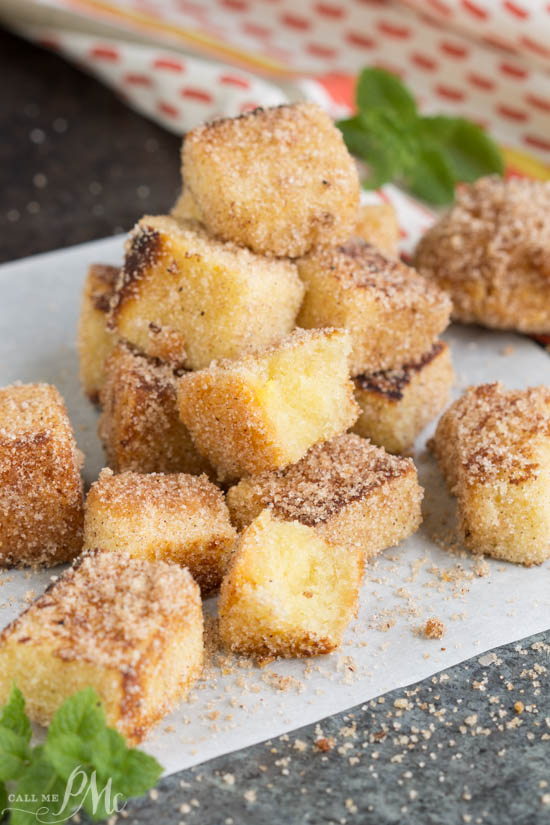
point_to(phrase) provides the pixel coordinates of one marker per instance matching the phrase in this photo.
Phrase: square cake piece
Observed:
(396, 405)
(266, 411)
(377, 224)
(95, 341)
(493, 446)
(129, 628)
(41, 507)
(173, 517)
(392, 314)
(350, 491)
(187, 299)
(277, 180)
(288, 591)
(140, 425)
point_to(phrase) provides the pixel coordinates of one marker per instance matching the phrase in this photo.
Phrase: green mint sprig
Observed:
(427, 155)
(81, 753)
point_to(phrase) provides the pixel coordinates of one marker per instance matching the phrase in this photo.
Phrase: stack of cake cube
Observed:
(217, 365)
(228, 354)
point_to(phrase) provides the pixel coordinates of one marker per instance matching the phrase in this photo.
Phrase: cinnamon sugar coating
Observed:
(41, 508)
(493, 446)
(187, 298)
(173, 517)
(377, 224)
(491, 253)
(350, 491)
(288, 591)
(266, 411)
(140, 425)
(393, 315)
(95, 341)
(277, 180)
(396, 405)
(130, 628)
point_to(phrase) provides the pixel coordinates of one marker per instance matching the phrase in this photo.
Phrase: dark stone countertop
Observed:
(78, 165)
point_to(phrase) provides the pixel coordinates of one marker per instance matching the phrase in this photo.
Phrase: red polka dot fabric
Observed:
(485, 59)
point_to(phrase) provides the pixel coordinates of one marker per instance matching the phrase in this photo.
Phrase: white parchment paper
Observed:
(482, 604)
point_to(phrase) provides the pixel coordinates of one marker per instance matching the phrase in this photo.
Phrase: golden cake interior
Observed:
(265, 411)
(288, 591)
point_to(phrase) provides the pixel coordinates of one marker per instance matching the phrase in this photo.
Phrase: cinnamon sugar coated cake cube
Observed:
(491, 253)
(288, 591)
(173, 517)
(396, 405)
(277, 180)
(493, 446)
(41, 507)
(95, 341)
(377, 224)
(392, 314)
(348, 490)
(267, 410)
(140, 425)
(129, 628)
(187, 299)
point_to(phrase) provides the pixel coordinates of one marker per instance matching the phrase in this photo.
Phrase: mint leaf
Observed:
(432, 178)
(3, 801)
(467, 148)
(427, 155)
(379, 89)
(13, 715)
(39, 793)
(137, 773)
(14, 755)
(81, 714)
(381, 141)
(82, 760)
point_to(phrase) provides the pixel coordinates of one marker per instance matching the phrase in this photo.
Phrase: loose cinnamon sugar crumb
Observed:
(434, 629)
(325, 744)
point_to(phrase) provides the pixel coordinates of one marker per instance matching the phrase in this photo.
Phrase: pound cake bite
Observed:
(491, 253)
(95, 341)
(393, 315)
(396, 405)
(493, 446)
(267, 410)
(348, 490)
(288, 591)
(276, 180)
(129, 628)
(41, 507)
(187, 299)
(175, 517)
(377, 224)
(140, 425)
